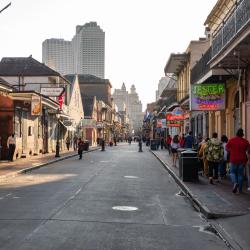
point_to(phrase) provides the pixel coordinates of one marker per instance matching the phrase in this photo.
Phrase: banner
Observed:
(36, 106)
(208, 97)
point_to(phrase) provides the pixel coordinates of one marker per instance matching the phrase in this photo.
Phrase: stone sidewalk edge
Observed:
(201, 208)
(29, 169)
(198, 205)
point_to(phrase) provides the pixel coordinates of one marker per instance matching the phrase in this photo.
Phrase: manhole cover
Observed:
(130, 177)
(124, 208)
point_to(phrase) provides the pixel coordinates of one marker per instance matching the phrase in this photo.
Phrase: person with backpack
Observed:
(214, 152)
(189, 140)
(237, 147)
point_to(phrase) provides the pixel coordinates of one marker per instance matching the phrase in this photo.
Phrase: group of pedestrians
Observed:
(217, 155)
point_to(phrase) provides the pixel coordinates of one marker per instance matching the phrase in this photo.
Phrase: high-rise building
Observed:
(89, 50)
(57, 54)
(85, 54)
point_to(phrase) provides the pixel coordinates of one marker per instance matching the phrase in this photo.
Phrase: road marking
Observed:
(124, 208)
(131, 177)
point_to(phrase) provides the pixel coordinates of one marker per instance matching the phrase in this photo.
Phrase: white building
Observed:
(85, 54)
(57, 54)
(89, 50)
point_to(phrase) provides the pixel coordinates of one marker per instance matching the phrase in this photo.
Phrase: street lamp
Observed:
(58, 135)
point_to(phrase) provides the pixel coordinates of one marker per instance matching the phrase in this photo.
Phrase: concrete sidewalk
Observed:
(214, 201)
(23, 165)
(231, 211)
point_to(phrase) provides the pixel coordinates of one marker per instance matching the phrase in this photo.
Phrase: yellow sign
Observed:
(36, 106)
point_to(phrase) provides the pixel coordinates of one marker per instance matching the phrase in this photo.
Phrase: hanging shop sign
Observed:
(52, 91)
(173, 121)
(178, 114)
(208, 97)
(36, 105)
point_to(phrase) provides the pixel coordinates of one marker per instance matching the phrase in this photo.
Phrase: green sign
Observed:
(208, 96)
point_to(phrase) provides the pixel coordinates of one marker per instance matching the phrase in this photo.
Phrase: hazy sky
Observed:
(140, 34)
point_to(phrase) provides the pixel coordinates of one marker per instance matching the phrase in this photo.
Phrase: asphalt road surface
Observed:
(117, 199)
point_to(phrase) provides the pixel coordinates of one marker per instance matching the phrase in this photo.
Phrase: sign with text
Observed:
(51, 91)
(36, 105)
(172, 121)
(208, 97)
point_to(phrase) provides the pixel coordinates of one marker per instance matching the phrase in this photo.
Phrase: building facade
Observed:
(84, 54)
(129, 102)
(57, 54)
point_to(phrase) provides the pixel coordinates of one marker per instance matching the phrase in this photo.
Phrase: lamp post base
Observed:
(57, 150)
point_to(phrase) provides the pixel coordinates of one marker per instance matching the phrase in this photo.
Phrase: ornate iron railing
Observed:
(231, 27)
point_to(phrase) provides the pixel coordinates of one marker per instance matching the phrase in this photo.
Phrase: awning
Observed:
(69, 128)
(175, 63)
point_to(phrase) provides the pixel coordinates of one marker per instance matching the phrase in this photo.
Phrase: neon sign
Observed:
(208, 97)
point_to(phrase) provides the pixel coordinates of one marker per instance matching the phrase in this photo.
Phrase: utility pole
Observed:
(7, 6)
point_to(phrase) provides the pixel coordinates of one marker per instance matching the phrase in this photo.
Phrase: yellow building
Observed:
(226, 61)
(181, 65)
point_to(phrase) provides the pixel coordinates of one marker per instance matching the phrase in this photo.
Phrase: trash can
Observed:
(86, 145)
(188, 166)
(153, 144)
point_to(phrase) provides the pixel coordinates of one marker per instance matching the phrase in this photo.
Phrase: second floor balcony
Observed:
(236, 23)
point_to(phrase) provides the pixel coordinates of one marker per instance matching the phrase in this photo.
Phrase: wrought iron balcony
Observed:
(239, 18)
(201, 67)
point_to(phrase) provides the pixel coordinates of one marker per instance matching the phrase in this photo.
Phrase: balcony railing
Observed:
(232, 26)
(201, 67)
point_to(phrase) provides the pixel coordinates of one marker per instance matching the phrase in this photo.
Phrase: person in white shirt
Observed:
(175, 144)
(11, 144)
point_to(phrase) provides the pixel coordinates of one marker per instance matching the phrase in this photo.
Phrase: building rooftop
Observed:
(24, 66)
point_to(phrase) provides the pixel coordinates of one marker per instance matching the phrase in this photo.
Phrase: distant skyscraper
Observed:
(87, 55)
(130, 103)
(57, 54)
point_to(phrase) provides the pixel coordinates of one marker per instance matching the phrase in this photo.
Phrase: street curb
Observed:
(29, 169)
(197, 204)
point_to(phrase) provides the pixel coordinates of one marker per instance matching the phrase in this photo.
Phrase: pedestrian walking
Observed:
(68, 141)
(80, 148)
(182, 140)
(162, 142)
(237, 148)
(203, 157)
(174, 146)
(11, 144)
(168, 143)
(214, 152)
(75, 142)
(223, 164)
(189, 140)
(115, 141)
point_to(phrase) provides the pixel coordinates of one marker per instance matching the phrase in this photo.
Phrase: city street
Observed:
(116, 199)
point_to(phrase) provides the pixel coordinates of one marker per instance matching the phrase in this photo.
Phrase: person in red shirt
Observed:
(237, 147)
(182, 140)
